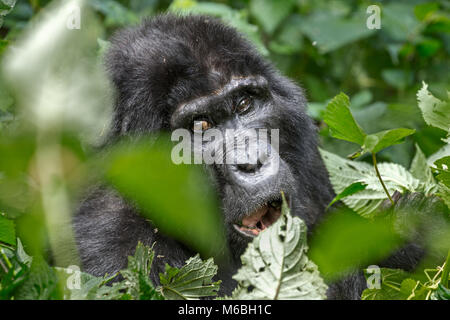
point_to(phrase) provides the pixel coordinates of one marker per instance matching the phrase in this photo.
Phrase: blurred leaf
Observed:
(270, 14)
(192, 281)
(330, 32)
(235, 18)
(428, 47)
(345, 242)
(404, 29)
(397, 78)
(115, 13)
(7, 231)
(341, 122)
(290, 39)
(275, 265)
(423, 10)
(361, 99)
(176, 198)
(378, 141)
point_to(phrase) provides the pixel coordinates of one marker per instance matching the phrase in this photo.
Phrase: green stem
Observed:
(445, 272)
(374, 159)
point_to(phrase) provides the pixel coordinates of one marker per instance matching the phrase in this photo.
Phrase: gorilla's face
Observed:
(197, 74)
(249, 187)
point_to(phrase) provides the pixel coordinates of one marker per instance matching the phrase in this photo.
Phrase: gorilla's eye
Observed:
(201, 125)
(244, 104)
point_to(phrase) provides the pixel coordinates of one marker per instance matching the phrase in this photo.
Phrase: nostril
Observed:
(249, 167)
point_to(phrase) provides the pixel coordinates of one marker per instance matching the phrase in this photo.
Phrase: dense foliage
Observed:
(380, 99)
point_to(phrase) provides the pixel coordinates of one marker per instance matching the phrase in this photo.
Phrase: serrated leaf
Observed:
(341, 122)
(420, 170)
(378, 141)
(435, 112)
(275, 265)
(7, 231)
(443, 168)
(192, 281)
(390, 284)
(40, 284)
(137, 275)
(344, 172)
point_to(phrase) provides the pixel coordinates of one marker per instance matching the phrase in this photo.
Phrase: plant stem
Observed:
(374, 159)
(445, 272)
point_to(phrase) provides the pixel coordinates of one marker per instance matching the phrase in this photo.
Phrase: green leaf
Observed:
(341, 122)
(351, 189)
(391, 283)
(420, 170)
(275, 265)
(270, 14)
(330, 32)
(234, 18)
(441, 293)
(7, 231)
(378, 141)
(40, 284)
(346, 242)
(192, 281)
(443, 168)
(178, 199)
(137, 275)
(344, 172)
(435, 112)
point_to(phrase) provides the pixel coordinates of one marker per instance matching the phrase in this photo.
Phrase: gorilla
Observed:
(194, 72)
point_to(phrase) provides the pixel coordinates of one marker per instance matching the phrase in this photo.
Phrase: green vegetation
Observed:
(380, 98)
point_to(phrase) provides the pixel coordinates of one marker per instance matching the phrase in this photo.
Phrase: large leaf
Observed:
(270, 14)
(7, 231)
(344, 172)
(345, 242)
(177, 198)
(192, 281)
(435, 112)
(341, 122)
(235, 18)
(420, 170)
(392, 286)
(137, 275)
(330, 32)
(378, 141)
(275, 265)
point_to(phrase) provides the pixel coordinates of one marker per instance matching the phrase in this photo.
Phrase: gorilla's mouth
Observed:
(260, 219)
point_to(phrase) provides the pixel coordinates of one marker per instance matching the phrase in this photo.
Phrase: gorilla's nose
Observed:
(249, 167)
(259, 167)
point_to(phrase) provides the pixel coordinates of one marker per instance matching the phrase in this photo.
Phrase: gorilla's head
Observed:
(196, 73)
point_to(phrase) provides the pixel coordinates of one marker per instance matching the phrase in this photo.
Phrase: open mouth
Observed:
(260, 219)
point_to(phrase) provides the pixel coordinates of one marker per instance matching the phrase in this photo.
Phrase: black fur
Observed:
(170, 60)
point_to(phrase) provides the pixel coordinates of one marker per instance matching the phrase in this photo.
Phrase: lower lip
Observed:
(248, 235)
